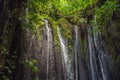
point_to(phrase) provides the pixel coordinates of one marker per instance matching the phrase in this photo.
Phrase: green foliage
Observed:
(66, 28)
(104, 13)
(8, 69)
(32, 65)
(57, 12)
(59, 8)
(75, 7)
(36, 78)
(53, 10)
(63, 13)
(35, 21)
(6, 64)
(74, 10)
(4, 51)
(5, 78)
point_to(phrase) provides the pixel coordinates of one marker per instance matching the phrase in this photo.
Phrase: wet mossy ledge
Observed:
(82, 13)
(36, 24)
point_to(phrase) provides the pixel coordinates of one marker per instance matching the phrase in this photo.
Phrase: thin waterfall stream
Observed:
(48, 46)
(91, 55)
(68, 75)
(103, 57)
(100, 66)
(76, 52)
(50, 52)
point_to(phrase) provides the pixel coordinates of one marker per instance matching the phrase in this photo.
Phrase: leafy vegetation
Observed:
(60, 13)
(57, 12)
(32, 65)
(65, 13)
(104, 13)
(74, 11)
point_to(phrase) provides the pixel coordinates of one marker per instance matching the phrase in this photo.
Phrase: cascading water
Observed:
(50, 67)
(66, 63)
(76, 52)
(48, 46)
(104, 59)
(92, 65)
(100, 66)
(79, 70)
(98, 61)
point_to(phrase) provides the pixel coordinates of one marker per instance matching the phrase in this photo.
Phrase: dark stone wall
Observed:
(10, 30)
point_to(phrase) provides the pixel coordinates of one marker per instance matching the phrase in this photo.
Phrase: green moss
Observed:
(67, 32)
(31, 64)
(4, 52)
(104, 13)
(66, 28)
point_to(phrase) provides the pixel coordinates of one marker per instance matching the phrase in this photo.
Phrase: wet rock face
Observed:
(43, 52)
(10, 29)
(59, 64)
(112, 39)
(47, 56)
(52, 63)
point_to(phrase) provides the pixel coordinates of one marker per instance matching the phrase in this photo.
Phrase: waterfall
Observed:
(104, 77)
(50, 54)
(72, 68)
(79, 69)
(104, 59)
(100, 66)
(76, 52)
(68, 75)
(91, 56)
(48, 45)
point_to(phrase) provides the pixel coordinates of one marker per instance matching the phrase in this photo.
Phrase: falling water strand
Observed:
(92, 55)
(75, 48)
(103, 58)
(102, 68)
(65, 61)
(91, 62)
(64, 50)
(100, 56)
(48, 46)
